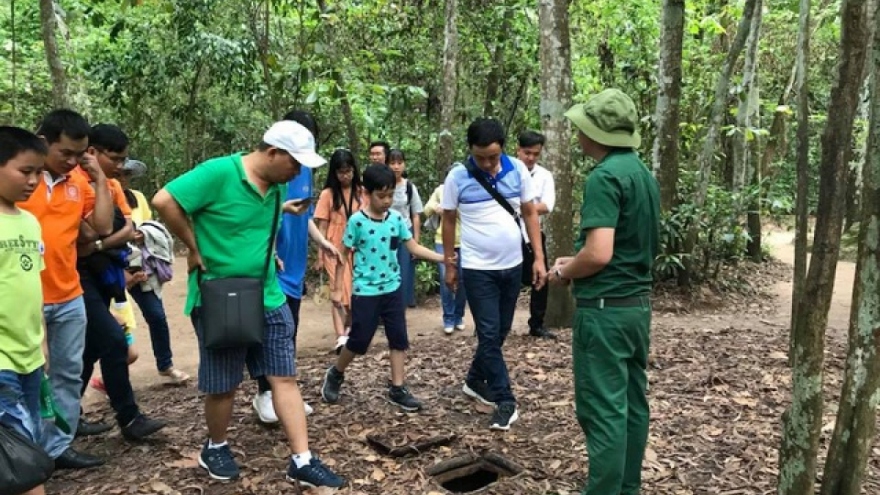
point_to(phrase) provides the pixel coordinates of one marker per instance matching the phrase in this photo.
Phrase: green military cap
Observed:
(608, 118)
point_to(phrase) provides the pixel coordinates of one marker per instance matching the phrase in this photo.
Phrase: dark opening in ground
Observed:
(472, 473)
(466, 483)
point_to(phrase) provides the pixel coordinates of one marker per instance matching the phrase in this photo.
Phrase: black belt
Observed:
(613, 302)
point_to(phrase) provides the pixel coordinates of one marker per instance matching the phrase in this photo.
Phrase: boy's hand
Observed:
(89, 163)
(331, 250)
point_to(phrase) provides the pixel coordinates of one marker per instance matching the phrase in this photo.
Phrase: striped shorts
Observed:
(222, 370)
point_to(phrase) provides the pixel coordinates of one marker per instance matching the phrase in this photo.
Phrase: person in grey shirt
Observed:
(408, 203)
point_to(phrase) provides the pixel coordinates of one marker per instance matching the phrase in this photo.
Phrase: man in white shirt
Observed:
(491, 261)
(528, 150)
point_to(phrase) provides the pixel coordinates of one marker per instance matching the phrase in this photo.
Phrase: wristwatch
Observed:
(99, 245)
(558, 273)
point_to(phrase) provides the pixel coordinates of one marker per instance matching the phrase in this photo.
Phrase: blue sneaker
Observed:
(219, 463)
(314, 475)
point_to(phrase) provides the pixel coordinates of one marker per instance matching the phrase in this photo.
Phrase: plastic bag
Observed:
(23, 464)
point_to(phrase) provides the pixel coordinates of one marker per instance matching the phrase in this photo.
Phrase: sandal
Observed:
(176, 376)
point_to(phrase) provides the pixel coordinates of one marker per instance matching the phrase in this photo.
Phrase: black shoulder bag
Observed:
(232, 309)
(528, 254)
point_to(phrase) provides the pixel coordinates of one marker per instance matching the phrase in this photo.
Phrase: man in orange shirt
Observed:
(62, 202)
(101, 266)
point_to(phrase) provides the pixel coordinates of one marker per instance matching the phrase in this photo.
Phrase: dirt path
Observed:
(782, 243)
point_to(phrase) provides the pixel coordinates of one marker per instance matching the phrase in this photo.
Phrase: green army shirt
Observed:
(621, 193)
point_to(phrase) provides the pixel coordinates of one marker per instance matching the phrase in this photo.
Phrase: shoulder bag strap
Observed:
(480, 176)
(274, 231)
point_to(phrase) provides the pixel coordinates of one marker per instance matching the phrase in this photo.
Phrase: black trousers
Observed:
(538, 300)
(105, 341)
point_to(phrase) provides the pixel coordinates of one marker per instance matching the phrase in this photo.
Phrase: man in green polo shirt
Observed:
(612, 277)
(232, 202)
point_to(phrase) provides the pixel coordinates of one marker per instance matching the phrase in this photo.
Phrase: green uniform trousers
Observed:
(610, 347)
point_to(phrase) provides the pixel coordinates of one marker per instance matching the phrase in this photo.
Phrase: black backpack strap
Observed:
(409, 195)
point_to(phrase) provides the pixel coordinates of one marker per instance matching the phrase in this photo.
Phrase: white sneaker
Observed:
(309, 409)
(340, 343)
(460, 326)
(448, 330)
(264, 408)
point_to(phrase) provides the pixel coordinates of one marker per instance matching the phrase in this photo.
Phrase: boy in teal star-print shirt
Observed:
(374, 235)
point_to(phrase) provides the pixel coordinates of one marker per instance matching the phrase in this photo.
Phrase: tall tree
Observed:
(555, 98)
(446, 152)
(747, 163)
(856, 413)
(802, 422)
(706, 158)
(667, 111)
(801, 228)
(50, 42)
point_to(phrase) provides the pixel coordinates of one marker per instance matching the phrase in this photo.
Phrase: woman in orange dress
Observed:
(340, 198)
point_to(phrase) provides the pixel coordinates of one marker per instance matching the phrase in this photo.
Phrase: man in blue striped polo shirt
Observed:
(491, 255)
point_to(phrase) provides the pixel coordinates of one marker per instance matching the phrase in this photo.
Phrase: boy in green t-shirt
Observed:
(374, 235)
(22, 341)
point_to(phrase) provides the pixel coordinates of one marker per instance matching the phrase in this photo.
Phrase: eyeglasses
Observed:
(115, 159)
(347, 171)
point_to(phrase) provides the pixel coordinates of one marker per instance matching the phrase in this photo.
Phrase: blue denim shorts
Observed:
(222, 370)
(20, 402)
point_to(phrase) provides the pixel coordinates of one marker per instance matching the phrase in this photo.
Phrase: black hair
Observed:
(63, 121)
(396, 155)
(15, 140)
(485, 131)
(379, 177)
(342, 159)
(304, 119)
(108, 137)
(527, 139)
(386, 148)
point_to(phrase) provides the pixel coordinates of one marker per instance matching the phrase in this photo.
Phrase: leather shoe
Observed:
(141, 427)
(542, 333)
(71, 459)
(87, 429)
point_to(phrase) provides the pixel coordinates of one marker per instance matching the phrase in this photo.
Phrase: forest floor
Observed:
(719, 383)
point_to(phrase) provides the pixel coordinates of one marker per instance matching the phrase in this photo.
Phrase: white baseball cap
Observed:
(296, 140)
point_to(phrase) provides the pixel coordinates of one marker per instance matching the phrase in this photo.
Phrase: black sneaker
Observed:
(219, 462)
(402, 398)
(542, 333)
(314, 474)
(141, 427)
(332, 384)
(478, 391)
(504, 416)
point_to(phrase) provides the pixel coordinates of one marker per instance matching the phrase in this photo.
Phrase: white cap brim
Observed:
(308, 159)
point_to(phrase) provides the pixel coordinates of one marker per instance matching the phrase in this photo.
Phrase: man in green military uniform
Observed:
(611, 275)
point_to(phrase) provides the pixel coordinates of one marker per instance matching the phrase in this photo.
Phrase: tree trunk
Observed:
(856, 413)
(707, 153)
(556, 87)
(347, 115)
(747, 166)
(802, 422)
(446, 141)
(493, 80)
(56, 68)
(667, 111)
(803, 168)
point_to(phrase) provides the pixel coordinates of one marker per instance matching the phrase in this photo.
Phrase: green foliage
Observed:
(427, 281)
